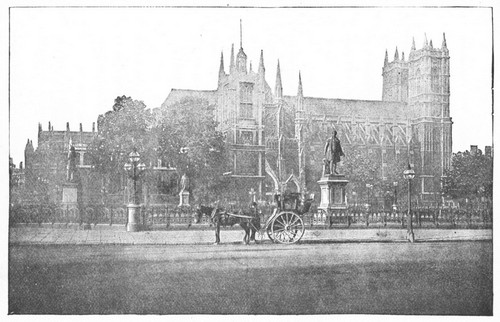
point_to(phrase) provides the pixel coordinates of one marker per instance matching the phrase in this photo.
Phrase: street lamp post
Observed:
(369, 199)
(395, 204)
(134, 169)
(409, 174)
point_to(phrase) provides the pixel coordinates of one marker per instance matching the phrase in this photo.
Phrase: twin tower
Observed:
(422, 81)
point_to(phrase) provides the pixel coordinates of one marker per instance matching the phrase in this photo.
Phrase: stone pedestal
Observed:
(333, 195)
(133, 217)
(184, 198)
(70, 194)
(71, 199)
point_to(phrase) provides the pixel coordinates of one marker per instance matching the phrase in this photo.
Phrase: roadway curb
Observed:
(46, 236)
(302, 242)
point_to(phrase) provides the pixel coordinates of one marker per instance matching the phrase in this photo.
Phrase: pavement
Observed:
(40, 235)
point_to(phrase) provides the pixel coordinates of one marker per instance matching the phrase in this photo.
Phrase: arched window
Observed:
(246, 104)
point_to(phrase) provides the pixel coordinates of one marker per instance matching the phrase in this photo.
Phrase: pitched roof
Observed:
(176, 95)
(357, 108)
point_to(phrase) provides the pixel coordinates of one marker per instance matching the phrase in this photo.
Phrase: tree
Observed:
(183, 136)
(470, 176)
(188, 140)
(365, 175)
(126, 127)
(362, 170)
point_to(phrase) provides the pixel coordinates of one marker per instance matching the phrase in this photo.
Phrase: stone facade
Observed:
(263, 127)
(49, 159)
(53, 148)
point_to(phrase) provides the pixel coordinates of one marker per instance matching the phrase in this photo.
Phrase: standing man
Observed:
(333, 152)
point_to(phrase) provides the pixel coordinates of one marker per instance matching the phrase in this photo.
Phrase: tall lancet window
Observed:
(246, 105)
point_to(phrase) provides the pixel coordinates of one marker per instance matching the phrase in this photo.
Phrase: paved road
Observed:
(30, 235)
(452, 278)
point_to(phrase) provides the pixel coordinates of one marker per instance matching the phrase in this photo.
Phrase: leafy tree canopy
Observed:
(188, 139)
(183, 136)
(364, 168)
(120, 130)
(470, 176)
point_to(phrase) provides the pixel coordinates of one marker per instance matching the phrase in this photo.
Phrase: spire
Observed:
(443, 45)
(278, 91)
(402, 55)
(241, 35)
(396, 55)
(241, 58)
(430, 44)
(300, 96)
(386, 59)
(221, 67)
(425, 40)
(231, 62)
(300, 93)
(262, 69)
(413, 44)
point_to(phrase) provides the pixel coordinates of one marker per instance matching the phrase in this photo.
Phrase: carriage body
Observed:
(285, 225)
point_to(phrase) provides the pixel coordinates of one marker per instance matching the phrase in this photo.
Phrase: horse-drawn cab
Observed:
(285, 225)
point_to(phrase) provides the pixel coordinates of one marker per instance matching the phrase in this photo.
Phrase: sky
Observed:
(69, 64)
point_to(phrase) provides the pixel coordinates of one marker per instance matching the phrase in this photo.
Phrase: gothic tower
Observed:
(242, 96)
(429, 105)
(395, 82)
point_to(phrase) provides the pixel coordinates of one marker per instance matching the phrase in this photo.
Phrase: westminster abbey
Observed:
(275, 138)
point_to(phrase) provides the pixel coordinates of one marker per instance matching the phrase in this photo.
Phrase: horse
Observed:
(249, 222)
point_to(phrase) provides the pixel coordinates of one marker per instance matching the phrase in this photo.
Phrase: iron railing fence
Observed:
(166, 216)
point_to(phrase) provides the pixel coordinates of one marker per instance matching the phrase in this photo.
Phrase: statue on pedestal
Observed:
(184, 183)
(333, 152)
(184, 192)
(332, 184)
(71, 166)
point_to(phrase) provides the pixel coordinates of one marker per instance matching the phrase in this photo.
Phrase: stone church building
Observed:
(274, 138)
(263, 126)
